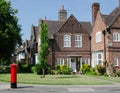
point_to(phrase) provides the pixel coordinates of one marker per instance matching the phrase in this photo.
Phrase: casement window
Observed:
(116, 37)
(116, 62)
(67, 40)
(98, 37)
(60, 61)
(78, 41)
(97, 58)
(85, 61)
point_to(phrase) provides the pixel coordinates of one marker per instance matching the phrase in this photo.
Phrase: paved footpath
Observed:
(4, 86)
(29, 88)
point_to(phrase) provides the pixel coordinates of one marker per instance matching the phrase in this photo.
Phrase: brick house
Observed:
(70, 41)
(22, 53)
(105, 42)
(74, 43)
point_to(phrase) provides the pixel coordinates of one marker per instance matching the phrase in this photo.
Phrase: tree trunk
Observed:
(43, 71)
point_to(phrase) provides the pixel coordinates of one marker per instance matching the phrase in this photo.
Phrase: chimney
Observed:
(62, 14)
(95, 9)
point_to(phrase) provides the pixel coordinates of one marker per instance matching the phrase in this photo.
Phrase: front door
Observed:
(73, 64)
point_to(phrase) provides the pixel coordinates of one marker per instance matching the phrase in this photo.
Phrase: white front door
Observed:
(73, 64)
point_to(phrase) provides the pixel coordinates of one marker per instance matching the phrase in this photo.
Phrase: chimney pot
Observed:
(95, 9)
(62, 8)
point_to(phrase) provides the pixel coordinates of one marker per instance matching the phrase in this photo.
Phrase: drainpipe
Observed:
(90, 51)
(104, 32)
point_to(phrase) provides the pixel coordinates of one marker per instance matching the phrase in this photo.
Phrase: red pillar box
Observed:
(13, 75)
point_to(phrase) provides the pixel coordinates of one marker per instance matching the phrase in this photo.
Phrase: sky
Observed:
(30, 11)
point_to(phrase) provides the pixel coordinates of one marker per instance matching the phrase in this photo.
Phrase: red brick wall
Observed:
(99, 26)
(71, 27)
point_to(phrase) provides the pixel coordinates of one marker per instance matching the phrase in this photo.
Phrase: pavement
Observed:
(30, 88)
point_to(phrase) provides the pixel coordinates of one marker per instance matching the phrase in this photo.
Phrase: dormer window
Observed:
(116, 37)
(98, 37)
(67, 40)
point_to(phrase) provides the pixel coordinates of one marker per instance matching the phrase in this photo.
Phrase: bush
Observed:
(106, 75)
(53, 72)
(58, 69)
(37, 69)
(61, 69)
(66, 70)
(4, 69)
(24, 68)
(100, 69)
(118, 73)
(85, 68)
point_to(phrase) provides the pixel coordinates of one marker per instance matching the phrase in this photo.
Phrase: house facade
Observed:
(75, 43)
(105, 42)
(70, 41)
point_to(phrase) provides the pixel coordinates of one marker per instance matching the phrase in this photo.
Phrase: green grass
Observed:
(112, 79)
(59, 79)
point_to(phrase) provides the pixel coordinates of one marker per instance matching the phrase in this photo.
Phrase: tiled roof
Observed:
(109, 19)
(87, 26)
(53, 27)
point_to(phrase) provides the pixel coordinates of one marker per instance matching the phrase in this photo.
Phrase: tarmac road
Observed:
(25, 88)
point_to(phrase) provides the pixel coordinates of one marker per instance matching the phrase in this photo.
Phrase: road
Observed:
(25, 88)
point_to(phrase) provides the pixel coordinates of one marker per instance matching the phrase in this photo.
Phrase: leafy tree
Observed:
(44, 47)
(9, 30)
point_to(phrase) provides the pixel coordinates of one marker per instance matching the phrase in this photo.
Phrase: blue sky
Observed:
(30, 11)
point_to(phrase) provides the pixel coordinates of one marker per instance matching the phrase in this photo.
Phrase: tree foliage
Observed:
(9, 30)
(44, 47)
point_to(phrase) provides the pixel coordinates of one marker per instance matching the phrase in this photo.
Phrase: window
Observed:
(98, 37)
(116, 37)
(67, 41)
(85, 61)
(60, 61)
(78, 41)
(116, 62)
(97, 58)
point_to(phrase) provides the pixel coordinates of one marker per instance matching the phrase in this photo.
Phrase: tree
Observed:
(9, 30)
(44, 47)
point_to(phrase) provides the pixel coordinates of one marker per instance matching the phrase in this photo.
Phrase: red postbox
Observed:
(13, 75)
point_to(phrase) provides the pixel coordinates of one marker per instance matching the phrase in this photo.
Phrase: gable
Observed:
(99, 23)
(72, 25)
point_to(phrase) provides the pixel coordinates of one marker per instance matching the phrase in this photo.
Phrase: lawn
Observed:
(59, 79)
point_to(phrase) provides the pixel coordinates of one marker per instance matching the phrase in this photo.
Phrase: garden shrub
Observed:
(53, 72)
(37, 69)
(61, 69)
(106, 75)
(85, 68)
(58, 69)
(100, 69)
(118, 73)
(65, 70)
(24, 68)
(92, 71)
(4, 69)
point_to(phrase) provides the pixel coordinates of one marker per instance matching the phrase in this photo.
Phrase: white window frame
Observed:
(96, 59)
(85, 61)
(78, 40)
(116, 62)
(116, 37)
(98, 37)
(67, 40)
(60, 61)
